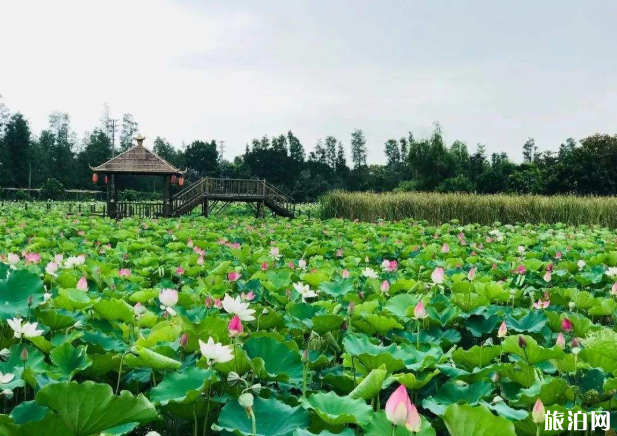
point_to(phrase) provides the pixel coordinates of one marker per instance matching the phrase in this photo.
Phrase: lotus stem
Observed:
(253, 422)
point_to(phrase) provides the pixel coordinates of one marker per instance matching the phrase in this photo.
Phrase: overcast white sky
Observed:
(489, 71)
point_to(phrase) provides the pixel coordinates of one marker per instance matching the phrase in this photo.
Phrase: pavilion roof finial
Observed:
(140, 139)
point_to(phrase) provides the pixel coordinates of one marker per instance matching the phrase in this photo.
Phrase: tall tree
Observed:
(17, 144)
(358, 148)
(331, 151)
(296, 150)
(129, 130)
(202, 157)
(62, 155)
(529, 150)
(392, 152)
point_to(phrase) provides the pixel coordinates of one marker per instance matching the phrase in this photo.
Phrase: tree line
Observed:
(584, 167)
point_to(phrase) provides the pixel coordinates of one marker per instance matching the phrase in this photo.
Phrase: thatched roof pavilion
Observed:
(137, 161)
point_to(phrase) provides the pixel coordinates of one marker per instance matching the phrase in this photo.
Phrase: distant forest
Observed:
(584, 167)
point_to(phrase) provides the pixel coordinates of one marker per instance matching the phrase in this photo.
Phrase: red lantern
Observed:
(106, 179)
(95, 178)
(181, 181)
(173, 179)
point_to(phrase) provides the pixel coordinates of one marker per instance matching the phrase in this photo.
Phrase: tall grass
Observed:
(471, 208)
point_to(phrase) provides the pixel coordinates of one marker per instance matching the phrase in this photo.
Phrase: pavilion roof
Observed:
(137, 160)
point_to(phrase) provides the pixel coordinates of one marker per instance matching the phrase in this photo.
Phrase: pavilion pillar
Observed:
(108, 184)
(166, 208)
(114, 179)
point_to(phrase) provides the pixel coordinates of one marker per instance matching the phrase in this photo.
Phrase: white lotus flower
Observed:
(13, 259)
(581, 264)
(6, 378)
(168, 299)
(612, 271)
(304, 290)
(27, 330)
(74, 261)
(51, 268)
(369, 273)
(238, 307)
(215, 352)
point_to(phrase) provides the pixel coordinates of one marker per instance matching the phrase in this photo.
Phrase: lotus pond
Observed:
(228, 326)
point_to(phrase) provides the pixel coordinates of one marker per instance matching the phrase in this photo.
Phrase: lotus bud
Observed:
(235, 327)
(472, 274)
(184, 339)
(398, 406)
(5, 354)
(351, 308)
(560, 341)
(566, 325)
(496, 377)
(419, 312)
(503, 330)
(30, 301)
(24, 355)
(361, 295)
(571, 305)
(538, 413)
(305, 355)
(246, 401)
(208, 302)
(497, 399)
(385, 286)
(522, 342)
(414, 422)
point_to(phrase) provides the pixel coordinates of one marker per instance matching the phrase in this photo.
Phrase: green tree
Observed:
(296, 150)
(529, 150)
(17, 144)
(129, 130)
(202, 157)
(358, 149)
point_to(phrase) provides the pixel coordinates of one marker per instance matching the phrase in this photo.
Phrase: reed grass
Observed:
(471, 208)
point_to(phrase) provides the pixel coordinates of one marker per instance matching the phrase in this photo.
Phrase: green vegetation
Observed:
(471, 208)
(240, 326)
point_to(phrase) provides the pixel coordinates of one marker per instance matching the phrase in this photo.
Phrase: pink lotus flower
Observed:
(168, 299)
(190, 243)
(350, 308)
(233, 276)
(419, 312)
(503, 330)
(13, 259)
(521, 269)
(414, 422)
(538, 412)
(566, 325)
(179, 270)
(82, 284)
(445, 248)
(614, 289)
(560, 341)
(437, 276)
(51, 268)
(58, 258)
(541, 304)
(249, 296)
(400, 411)
(139, 310)
(200, 261)
(345, 274)
(302, 264)
(199, 251)
(208, 302)
(124, 272)
(235, 327)
(275, 252)
(32, 257)
(218, 303)
(291, 265)
(264, 266)
(558, 255)
(472, 274)
(339, 252)
(385, 286)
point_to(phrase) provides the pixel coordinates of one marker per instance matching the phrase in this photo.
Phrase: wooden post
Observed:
(166, 182)
(108, 194)
(114, 180)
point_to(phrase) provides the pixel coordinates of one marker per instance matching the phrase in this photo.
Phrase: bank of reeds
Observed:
(471, 208)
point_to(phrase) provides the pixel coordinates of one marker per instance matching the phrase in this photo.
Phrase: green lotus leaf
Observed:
(371, 385)
(28, 411)
(16, 290)
(182, 387)
(325, 323)
(302, 432)
(335, 410)
(532, 353)
(452, 393)
(337, 289)
(533, 322)
(273, 418)
(90, 408)
(114, 310)
(150, 359)
(466, 420)
(476, 357)
(278, 358)
(70, 360)
(415, 381)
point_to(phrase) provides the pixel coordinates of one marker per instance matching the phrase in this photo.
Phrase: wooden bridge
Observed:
(214, 195)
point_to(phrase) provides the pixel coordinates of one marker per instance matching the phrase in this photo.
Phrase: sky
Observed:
(489, 72)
